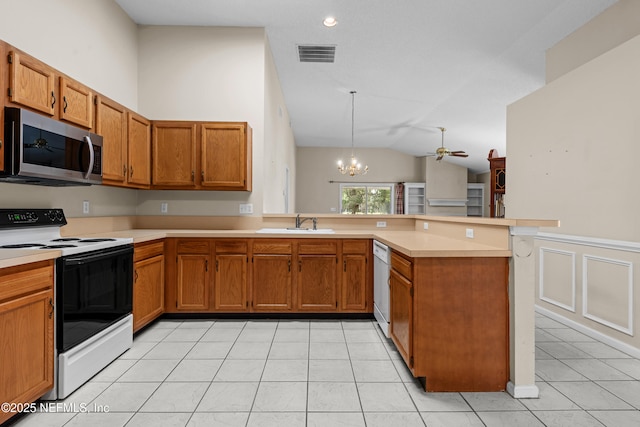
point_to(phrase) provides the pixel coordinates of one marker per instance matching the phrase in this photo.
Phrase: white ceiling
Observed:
(415, 64)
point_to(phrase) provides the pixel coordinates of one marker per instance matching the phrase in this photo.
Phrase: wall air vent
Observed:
(317, 53)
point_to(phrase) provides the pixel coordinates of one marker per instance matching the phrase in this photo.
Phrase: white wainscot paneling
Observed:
(607, 290)
(557, 278)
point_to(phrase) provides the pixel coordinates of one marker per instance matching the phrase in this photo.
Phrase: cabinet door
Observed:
(231, 282)
(316, 283)
(193, 282)
(148, 290)
(31, 83)
(354, 282)
(111, 123)
(139, 150)
(401, 313)
(26, 333)
(174, 154)
(76, 103)
(272, 288)
(226, 156)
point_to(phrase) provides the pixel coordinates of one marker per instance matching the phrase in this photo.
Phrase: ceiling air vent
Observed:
(317, 53)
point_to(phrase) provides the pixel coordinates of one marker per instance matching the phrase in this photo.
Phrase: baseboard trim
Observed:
(530, 391)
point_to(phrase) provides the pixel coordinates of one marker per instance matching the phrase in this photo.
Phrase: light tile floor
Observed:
(334, 373)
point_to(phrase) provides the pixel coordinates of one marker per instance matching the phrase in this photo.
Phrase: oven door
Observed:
(93, 291)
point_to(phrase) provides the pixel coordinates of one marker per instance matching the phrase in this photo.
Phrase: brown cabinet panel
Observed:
(401, 312)
(317, 283)
(193, 282)
(355, 246)
(76, 103)
(174, 147)
(354, 282)
(402, 265)
(31, 83)
(226, 156)
(231, 246)
(264, 246)
(328, 247)
(26, 333)
(111, 123)
(231, 282)
(196, 246)
(148, 290)
(139, 150)
(3, 85)
(272, 286)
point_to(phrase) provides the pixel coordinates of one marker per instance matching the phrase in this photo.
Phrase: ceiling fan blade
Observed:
(458, 154)
(439, 157)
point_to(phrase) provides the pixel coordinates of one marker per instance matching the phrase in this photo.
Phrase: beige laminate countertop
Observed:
(411, 243)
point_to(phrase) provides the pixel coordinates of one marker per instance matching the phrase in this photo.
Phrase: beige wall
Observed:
(445, 181)
(281, 155)
(614, 26)
(315, 167)
(179, 73)
(572, 150)
(104, 58)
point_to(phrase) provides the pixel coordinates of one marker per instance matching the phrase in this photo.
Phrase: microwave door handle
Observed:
(87, 138)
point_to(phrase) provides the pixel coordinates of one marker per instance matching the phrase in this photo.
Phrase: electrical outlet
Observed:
(85, 206)
(164, 207)
(425, 225)
(381, 224)
(333, 209)
(469, 233)
(246, 208)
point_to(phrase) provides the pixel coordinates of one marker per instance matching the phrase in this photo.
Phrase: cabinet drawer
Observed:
(231, 247)
(402, 265)
(193, 246)
(355, 246)
(25, 279)
(148, 250)
(312, 248)
(272, 247)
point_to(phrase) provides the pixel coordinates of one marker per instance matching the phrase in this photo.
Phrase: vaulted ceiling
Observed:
(416, 64)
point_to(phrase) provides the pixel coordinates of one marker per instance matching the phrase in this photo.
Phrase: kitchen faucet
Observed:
(299, 221)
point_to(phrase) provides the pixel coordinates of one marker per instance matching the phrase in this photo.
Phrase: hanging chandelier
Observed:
(353, 168)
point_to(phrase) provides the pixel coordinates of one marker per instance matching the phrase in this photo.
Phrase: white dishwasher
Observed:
(381, 262)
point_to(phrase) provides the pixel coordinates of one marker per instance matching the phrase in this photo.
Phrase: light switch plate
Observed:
(164, 207)
(425, 225)
(85, 206)
(469, 233)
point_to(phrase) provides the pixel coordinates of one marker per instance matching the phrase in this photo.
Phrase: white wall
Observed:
(100, 50)
(445, 180)
(315, 167)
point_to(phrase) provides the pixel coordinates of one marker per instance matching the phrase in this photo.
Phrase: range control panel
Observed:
(17, 218)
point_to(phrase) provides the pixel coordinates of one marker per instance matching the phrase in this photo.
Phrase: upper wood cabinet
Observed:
(201, 155)
(31, 83)
(76, 103)
(226, 156)
(138, 150)
(111, 123)
(174, 149)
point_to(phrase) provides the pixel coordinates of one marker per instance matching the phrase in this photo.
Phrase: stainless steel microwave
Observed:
(43, 151)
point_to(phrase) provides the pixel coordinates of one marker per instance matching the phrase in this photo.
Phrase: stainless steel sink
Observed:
(295, 231)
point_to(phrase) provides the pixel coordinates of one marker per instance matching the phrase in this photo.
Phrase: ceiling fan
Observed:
(443, 151)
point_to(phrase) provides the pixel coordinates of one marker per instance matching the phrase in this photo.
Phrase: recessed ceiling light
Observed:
(330, 21)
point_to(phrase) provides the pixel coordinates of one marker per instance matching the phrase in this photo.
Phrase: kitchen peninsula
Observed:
(455, 282)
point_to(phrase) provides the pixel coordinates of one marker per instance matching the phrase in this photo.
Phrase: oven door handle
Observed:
(85, 259)
(91, 156)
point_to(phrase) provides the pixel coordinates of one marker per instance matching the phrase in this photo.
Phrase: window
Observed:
(366, 199)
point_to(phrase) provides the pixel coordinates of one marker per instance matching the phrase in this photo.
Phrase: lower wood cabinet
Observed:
(230, 284)
(316, 278)
(268, 275)
(272, 278)
(148, 283)
(450, 320)
(26, 333)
